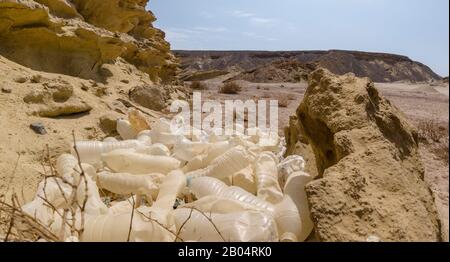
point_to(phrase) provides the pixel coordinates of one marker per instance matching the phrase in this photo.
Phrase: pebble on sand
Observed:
(38, 128)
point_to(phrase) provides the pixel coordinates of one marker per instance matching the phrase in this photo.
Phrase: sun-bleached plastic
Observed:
(126, 130)
(165, 138)
(196, 135)
(234, 179)
(172, 185)
(295, 188)
(213, 151)
(91, 151)
(269, 141)
(128, 161)
(162, 125)
(288, 220)
(285, 213)
(58, 193)
(127, 184)
(147, 225)
(154, 150)
(242, 141)
(218, 135)
(246, 226)
(116, 227)
(48, 191)
(94, 204)
(282, 149)
(110, 139)
(219, 205)
(145, 137)
(68, 167)
(226, 165)
(208, 186)
(197, 163)
(122, 207)
(244, 179)
(266, 172)
(186, 150)
(289, 166)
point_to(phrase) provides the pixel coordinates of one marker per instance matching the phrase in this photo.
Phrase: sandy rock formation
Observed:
(371, 177)
(76, 37)
(70, 65)
(148, 97)
(55, 98)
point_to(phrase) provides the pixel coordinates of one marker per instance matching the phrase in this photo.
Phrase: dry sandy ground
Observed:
(418, 102)
(21, 149)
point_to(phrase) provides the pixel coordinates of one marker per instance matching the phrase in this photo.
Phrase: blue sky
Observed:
(416, 28)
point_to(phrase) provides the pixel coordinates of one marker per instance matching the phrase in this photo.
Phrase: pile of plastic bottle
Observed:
(173, 186)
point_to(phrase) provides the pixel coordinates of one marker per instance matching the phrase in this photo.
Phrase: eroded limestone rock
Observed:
(148, 96)
(367, 156)
(55, 98)
(77, 37)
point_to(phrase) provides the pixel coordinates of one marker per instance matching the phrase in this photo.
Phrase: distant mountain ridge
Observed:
(380, 67)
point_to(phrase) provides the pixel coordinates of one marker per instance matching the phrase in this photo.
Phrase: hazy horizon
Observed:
(414, 28)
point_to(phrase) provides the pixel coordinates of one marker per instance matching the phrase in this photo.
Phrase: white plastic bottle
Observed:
(295, 188)
(227, 164)
(128, 161)
(126, 130)
(186, 150)
(285, 213)
(116, 228)
(127, 184)
(90, 152)
(154, 150)
(245, 226)
(172, 185)
(149, 224)
(289, 166)
(267, 178)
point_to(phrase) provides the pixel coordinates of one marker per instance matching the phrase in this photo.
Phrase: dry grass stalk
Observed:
(436, 136)
(432, 130)
(440, 150)
(23, 227)
(212, 223)
(133, 204)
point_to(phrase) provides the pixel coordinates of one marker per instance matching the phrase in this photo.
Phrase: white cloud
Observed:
(258, 21)
(174, 35)
(239, 13)
(219, 29)
(187, 38)
(254, 19)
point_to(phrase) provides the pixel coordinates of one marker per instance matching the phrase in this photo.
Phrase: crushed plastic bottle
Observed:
(177, 186)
